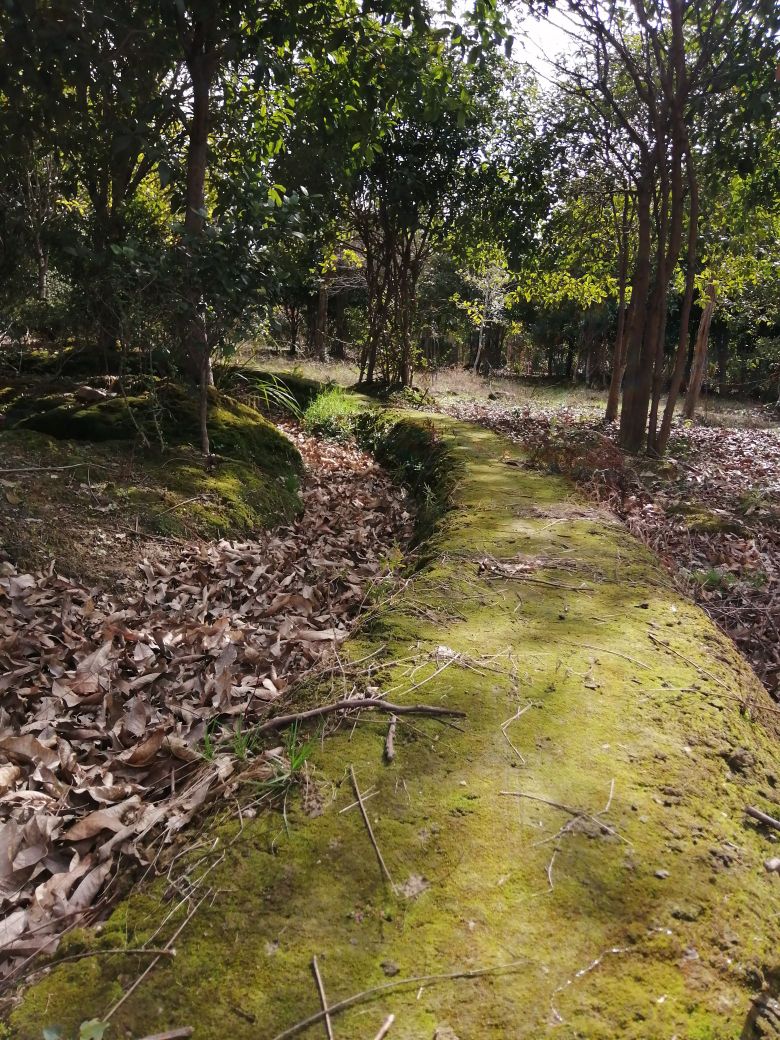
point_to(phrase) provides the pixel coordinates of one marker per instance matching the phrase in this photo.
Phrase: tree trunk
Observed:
(619, 354)
(196, 345)
(700, 355)
(722, 352)
(321, 328)
(685, 314)
(633, 413)
(203, 411)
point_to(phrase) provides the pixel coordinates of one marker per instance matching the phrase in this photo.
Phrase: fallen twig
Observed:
(382, 865)
(568, 809)
(169, 946)
(323, 998)
(357, 704)
(366, 795)
(517, 714)
(615, 653)
(172, 1034)
(178, 505)
(699, 668)
(139, 951)
(762, 817)
(50, 469)
(414, 980)
(385, 1028)
(390, 740)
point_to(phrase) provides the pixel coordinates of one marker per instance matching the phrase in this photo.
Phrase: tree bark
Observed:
(685, 314)
(321, 328)
(700, 355)
(619, 354)
(633, 413)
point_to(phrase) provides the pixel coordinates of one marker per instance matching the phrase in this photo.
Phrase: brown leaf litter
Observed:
(109, 696)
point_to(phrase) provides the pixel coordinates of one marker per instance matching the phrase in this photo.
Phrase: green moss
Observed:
(658, 929)
(699, 520)
(168, 414)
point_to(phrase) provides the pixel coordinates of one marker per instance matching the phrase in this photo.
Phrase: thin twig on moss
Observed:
(368, 994)
(357, 704)
(323, 999)
(382, 865)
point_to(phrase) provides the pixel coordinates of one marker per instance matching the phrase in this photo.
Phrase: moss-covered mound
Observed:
(264, 386)
(87, 474)
(579, 845)
(163, 414)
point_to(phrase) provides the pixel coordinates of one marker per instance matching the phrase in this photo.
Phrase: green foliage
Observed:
(94, 1029)
(332, 413)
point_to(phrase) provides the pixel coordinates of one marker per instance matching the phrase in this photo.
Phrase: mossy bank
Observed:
(647, 915)
(76, 470)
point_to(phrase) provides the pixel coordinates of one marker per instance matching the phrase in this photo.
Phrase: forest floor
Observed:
(135, 664)
(570, 858)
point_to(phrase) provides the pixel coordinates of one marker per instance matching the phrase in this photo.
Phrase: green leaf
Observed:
(94, 1029)
(52, 1033)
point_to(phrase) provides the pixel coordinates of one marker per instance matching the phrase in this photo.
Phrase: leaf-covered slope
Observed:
(627, 895)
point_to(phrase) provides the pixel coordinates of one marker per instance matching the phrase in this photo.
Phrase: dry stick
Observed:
(390, 740)
(385, 1028)
(550, 868)
(762, 817)
(356, 704)
(517, 714)
(367, 994)
(567, 809)
(178, 505)
(699, 668)
(172, 1034)
(167, 952)
(366, 796)
(143, 975)
(323, 998)
(49, 469)
(382, 865)
(615, 653)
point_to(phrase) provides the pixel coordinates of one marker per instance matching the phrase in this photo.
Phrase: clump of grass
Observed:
(714, 578)
(332, 413)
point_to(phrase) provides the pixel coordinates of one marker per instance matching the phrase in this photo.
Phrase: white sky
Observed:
(541, 40)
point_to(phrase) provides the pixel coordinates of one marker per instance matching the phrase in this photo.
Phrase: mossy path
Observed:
(649, 916)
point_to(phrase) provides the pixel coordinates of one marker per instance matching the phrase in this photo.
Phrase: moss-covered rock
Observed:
(590, 686)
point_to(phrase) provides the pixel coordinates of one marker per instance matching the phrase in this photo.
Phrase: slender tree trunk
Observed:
(203, 411)
(619, 354)
(196, 344)
(685, 314)
(321, 328)
(700, 355)
(633, 413)
(722, 349)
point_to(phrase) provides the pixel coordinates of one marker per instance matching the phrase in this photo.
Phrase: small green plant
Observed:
(332, 413)
(209, 744)
(243, 742)
(289, 769)
(714, 579)
(94, 1029)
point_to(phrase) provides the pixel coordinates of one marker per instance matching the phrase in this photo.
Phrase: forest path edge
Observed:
(665, 923)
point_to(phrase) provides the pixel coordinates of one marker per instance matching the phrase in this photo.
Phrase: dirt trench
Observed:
(577, 851)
